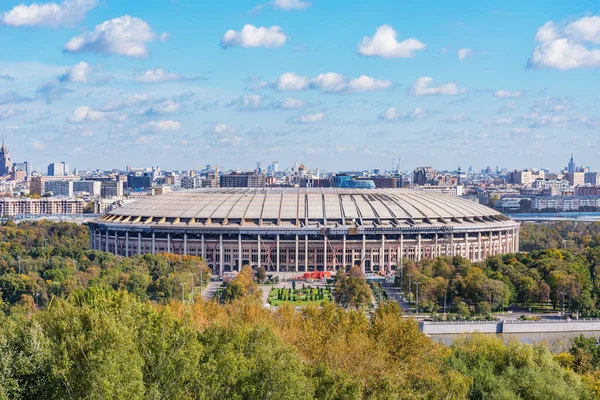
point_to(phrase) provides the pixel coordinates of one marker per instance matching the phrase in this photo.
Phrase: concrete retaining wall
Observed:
(457, 327)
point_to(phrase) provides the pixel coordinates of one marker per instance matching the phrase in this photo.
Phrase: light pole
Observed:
(409, 276)
(417, 304)
(192, 275)
(182, 293)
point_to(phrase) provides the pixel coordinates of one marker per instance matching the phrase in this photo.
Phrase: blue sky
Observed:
(334, 84)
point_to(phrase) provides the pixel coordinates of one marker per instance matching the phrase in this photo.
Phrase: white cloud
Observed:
(251, 36)
(67, 13)
(88, 114)
(291, 4)
(392, 114)
(550, 105)
(9, 112)
(251, 102)
(292, 81)
(331, 82)
(514, 132)
(385, 44)
(77, 73)
(547, 32)
(165, 107)
(421, 88)
(499, 121)
(367, 84)
(508, 107)
(133, 100)
(125, 36)
(308, 118)
(162, 126)
(291, 103)
(38, 145)
(586, 29)
(562, 47)
(221, 129)
(83, 114)
(464, 53)
(156, 75)
(456, 118)
(507, 93)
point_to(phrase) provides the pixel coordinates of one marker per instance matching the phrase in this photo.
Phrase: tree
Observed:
(352, 290)
(261, 275)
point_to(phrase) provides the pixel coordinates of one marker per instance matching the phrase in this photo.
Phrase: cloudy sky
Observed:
(339, 84)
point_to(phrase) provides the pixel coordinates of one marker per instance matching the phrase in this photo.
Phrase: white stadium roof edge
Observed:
(304, 207)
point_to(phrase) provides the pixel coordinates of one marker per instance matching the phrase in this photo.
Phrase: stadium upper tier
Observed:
(305, 207)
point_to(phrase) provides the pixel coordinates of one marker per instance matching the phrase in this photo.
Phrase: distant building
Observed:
(11, 207)
(358, 184)
(191, 182)
(139, 181)
(423, 176)
(592, 178)
(338, 179)
(4, 160)
(93, 188)
(575, 178)
(110, 189)
(565, 203)
(245, 179)
(571, 167)
(58, 169)
(37, 183)
(456, 190)
(59, 188)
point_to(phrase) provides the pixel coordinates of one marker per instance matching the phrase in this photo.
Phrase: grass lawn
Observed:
(302, 297)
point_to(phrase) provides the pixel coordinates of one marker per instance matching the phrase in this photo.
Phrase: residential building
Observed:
(109, 189)
(575, 178)
(93, 188)
(11, 207)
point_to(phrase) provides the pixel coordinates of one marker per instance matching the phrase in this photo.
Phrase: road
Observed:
(210, 290)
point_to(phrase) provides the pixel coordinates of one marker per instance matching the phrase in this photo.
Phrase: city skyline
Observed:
(183, 84)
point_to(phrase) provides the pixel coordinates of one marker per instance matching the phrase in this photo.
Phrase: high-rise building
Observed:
(246, 179)
(139, 181)
(22, 166)
(93, 188)
(58, 169)
(4, 160)
(111, 189)
(571, 167)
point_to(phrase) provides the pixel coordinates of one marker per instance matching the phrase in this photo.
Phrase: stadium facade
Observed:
(306, 229)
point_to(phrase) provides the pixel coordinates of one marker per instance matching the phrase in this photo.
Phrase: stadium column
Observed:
(126, 243)
(382, 254)
(259, 255)
(324, 252)
(221, 255)
(203, 250)
(168, 242)
(490, 244)
(500, 241)
(153, 242)
(93, 240)
(305, 253)
(106, 241)
(296, 255)
(344, 253)
(401, 251)
(363, 253)
(239, 252)
(185, 244)
(277, 254)
(436, 250)
(116, 243)
(479, 257)
(467, 246)
(139, 242)
(506, 242)
(452, 245)
(418, 258)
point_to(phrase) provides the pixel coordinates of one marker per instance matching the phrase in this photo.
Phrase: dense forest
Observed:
(77, 324)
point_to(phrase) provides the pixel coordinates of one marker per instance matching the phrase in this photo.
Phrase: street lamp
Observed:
(417, 306)
(409, 276)
(192, 275)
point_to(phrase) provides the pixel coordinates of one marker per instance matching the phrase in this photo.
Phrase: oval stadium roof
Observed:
(304, 207)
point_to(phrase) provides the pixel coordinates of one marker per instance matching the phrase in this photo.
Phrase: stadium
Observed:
(306, 229)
